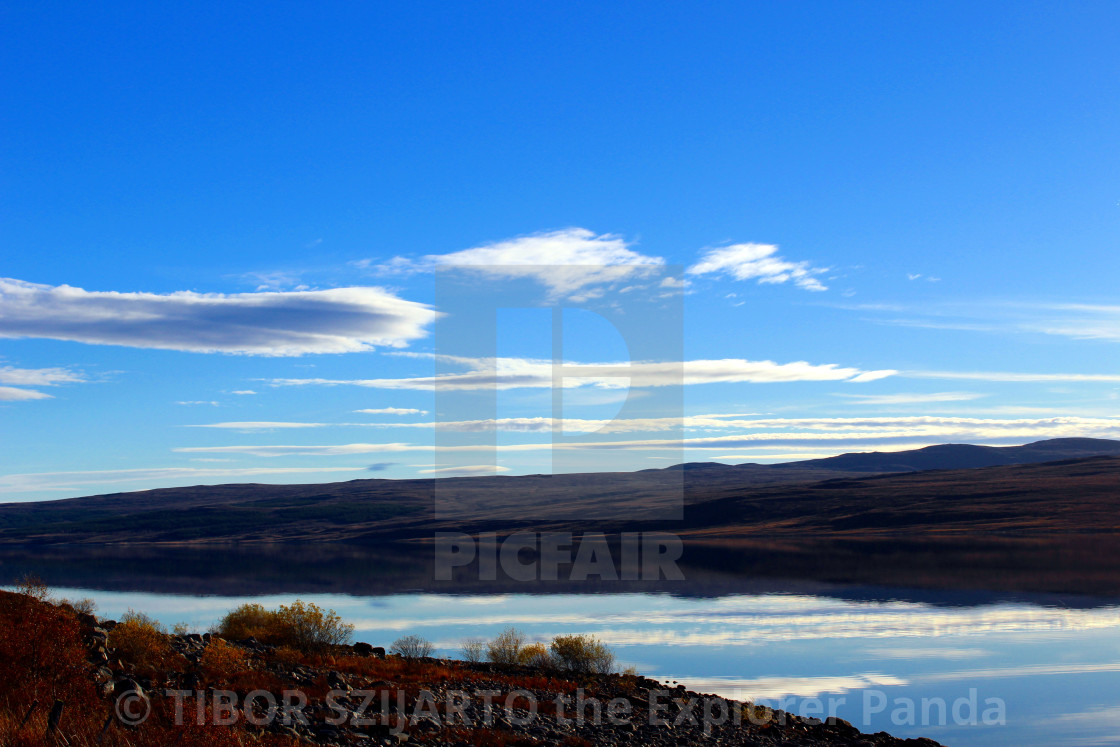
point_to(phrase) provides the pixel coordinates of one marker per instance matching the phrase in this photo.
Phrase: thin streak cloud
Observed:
(67, 480)
(529, 373)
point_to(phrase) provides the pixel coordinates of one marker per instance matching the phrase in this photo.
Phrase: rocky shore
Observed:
(356, 695)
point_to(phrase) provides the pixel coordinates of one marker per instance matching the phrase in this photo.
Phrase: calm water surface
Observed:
(1055, 669)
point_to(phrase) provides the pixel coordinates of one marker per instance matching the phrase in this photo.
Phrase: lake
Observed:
(964, 669)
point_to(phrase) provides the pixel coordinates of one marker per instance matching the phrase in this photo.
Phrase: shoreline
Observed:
(356, 694)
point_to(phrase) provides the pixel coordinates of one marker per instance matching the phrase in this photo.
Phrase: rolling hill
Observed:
(1025, 493)
(962, 456)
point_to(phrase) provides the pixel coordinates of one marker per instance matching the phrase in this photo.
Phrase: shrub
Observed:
(42, 656)
(582, 654)
(85, 606)
(506, 648)
(32, 586)
(222, 661)
(140, 640)
(309, 627)
(247, 621)
(473, 650)
(302, 626)
(412, 647)
(535, 655)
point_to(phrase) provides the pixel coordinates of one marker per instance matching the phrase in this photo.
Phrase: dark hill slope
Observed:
(749, 498)
(1053, 498)
(962, 456)
(361, 508)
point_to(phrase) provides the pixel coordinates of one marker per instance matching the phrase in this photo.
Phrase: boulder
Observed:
(127, 685)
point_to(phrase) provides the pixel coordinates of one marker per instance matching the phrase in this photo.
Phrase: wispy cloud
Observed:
(467, 470)
(1012, 377)
(313, 450)
(274, 280)
(759, 262)
(760, 620)
(339, 320)
(827, 435)
(35, 481)
(773, 688)
(836, 434)
(1080, 321)
(12, 394)
(38, 376)
(908, 653)
(910, 399)
(262, 425)
(566, 261)
(1073, 320)
(27, 377)
(518, 373)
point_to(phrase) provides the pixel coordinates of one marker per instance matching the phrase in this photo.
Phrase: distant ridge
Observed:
(852, 493)
(962, 456)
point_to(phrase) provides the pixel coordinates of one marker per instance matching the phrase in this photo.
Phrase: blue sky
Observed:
(865, 225)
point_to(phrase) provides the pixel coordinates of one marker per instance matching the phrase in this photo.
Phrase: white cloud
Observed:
(393, 266)
(393, 411)
(470, 469)
(908, 653)
(66, 480)
(519, 373)
(275, 280)
(565, 261)
(1078, 321)
(286, 450)
(262, 425)
(38, 376)
(759, 262)
(244, 391)
(830, 435)
(756, 621)
(910, 399)
(12, 394)
(1012, 377)
(339, 320)
(774, 688)
(24, 377)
